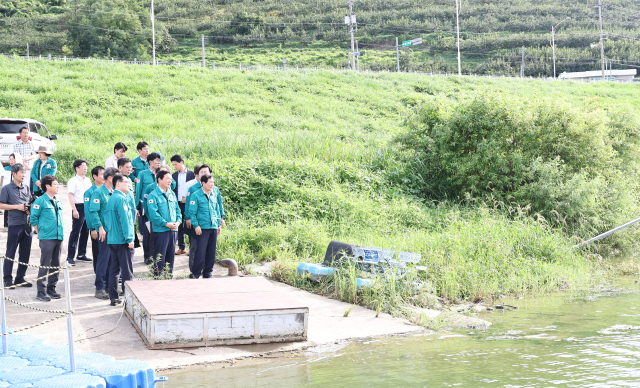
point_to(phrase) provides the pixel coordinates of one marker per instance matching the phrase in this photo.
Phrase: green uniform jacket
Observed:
(138, 167)
(163, 208)
(132, 199)
(87, 205)
(118, 220)
(50, 168)
(192, 189)
(148, 191)
(98, 207)
(48, 217)
(146, 178)
(203, 210)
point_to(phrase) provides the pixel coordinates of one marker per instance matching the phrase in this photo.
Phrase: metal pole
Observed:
(522, 64)
(67, 286)
(352, 59)
(397, 55)
(553, 45)
(605, 234)
(27, 50)
(601, 39)
(458, 33)
(153, 33)
(3, 326)
(203, 51)
(357, 57)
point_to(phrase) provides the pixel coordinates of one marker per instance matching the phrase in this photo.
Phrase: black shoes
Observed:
(83, 258)
(192, 276)
(115, 302)
(8, 283)
(20, 283)
(101, 294)
(148, 261)
(71, 262)
(43, 297)
(51, 291)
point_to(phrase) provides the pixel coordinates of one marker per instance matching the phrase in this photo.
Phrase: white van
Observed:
(10, 135)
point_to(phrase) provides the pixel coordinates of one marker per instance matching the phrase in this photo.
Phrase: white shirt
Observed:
(111, 161)
(182, 187)
(77, 186)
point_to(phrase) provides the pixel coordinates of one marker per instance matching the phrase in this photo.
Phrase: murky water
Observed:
(553, 341)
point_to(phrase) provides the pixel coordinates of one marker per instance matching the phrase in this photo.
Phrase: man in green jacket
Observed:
(98, 180)
(97, 217)
(140, 163)
(41, 167)
(165, 216)
(46, 217)
(125, 168)
(120, 232)
(146, 178)
(206, 221)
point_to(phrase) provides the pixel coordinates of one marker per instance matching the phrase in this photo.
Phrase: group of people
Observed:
(167, 206)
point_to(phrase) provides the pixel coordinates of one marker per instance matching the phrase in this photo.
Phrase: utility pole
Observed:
(553, 44)
(350, 19)
(357, 57)
(153, 33)
(203, 51)
(458, 33)
(397, 55)
(522, 64)
(27, 50)
(601, 38)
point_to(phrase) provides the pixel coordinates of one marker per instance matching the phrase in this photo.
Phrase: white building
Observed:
(610, 75)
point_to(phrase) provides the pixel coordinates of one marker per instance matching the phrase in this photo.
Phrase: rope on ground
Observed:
(36, 325)
(32, 281)
(37, 309)
(29, 265)
(124, 303)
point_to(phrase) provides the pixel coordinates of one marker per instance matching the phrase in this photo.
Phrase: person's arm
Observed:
(153, 213)
(71, 187)
(127, 228)
(193, 209)
(4, 198)
(139, 192)
(178, 214)
(54, 168)
(34, 173)
(35, 214)
(94, 210)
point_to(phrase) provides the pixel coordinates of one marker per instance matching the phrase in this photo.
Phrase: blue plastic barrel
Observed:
(362, 283)
(303, 268)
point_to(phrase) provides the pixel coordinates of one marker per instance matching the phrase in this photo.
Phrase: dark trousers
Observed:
(121, 266)
(147, 237)
(49, 257)
(102, 267)
(165, 245)
(95, 252)
(206, 254)
(17, 236)
(181, 244)
(193, 245)
(78, 230)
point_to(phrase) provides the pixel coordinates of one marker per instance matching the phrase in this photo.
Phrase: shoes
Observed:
(115, 302)
(51, 291)
(121, 293)
(102, 294)
(8, 283)
(71, 262)
(21, 281)
(43, 297)
(192, 276)
(83, 258)
(180, 252)
(148, 261)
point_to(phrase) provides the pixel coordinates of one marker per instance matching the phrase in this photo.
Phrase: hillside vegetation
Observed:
(306, 157)
(311, 33)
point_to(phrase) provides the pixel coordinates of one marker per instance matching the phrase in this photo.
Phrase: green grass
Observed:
(306, 157)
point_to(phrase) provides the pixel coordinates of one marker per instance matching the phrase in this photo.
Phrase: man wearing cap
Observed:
(118, 152)
(119, 237)
(46, 217)
(45, 165)
(165, 217)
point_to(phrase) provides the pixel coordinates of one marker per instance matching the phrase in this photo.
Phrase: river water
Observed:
(561, 340)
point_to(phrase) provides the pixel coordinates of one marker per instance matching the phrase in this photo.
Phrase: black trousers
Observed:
(95, 252)
(49, 257)
(147, 237)
(165, 245)
(121, 266)
(79, 235)
(181, 244)
(17, 236)
(206, 253)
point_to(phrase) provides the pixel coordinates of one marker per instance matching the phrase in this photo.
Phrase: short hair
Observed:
(205, 178)
(153, 156)
(117, 178)
(160, 168)
(177, 159)
(17, 167)
(109, 172)
(123, 161)
(120, 146)
(196, 168)
(78, 163)
(24, 128)
(205, 166)
(96, 171)
(161, 174)
(47, 180)
(13, 156)
(142, 144)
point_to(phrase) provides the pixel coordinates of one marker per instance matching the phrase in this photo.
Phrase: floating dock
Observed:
(215, 311)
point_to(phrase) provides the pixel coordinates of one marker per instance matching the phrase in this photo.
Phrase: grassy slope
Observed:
(305, 157)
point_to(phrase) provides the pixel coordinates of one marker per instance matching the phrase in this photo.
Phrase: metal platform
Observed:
(215, 311)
